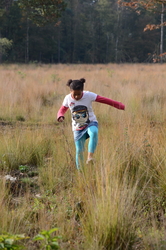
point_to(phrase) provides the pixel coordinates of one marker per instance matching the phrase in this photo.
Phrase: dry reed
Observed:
(117, 204)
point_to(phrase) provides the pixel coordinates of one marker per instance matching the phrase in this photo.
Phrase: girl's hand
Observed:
(61, 119)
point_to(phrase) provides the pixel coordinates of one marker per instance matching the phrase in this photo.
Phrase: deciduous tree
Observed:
(43, 12)
(156, 6)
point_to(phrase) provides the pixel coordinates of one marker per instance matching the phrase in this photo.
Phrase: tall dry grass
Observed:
(117, 204)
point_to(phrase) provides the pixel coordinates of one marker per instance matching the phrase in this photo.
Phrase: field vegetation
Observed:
(117, 204)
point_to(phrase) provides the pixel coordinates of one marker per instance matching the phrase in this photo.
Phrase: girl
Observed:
(84, 122)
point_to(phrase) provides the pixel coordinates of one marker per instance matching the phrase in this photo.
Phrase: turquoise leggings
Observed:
(92, 134)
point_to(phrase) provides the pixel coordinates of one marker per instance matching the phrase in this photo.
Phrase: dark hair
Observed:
(76, 84)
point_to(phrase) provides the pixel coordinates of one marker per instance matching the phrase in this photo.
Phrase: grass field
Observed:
(117, 204)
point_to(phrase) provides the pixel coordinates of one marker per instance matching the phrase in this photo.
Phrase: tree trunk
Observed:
(0, 50)
(117, 36)
(59, 45)
(27, 43)
(162, 33)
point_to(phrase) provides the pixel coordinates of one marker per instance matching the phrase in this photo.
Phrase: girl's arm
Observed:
(61, 112)
(110, 102)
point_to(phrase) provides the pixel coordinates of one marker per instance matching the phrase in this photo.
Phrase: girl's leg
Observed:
(93, 134)
(79, 151)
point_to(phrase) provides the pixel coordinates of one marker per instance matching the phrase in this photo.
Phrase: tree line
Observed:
(88, 31)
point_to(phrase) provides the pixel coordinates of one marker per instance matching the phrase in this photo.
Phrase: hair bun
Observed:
(82, 80)
(69, 82)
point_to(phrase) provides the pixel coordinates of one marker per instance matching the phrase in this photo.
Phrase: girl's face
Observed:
(76, 94)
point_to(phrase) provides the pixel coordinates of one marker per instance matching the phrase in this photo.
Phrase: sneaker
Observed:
(90, 161)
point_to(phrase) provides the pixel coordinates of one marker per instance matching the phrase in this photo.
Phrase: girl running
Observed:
(84, 122)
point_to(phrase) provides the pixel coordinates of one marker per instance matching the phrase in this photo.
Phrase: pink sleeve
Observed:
(61, 112)
(110, 102)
